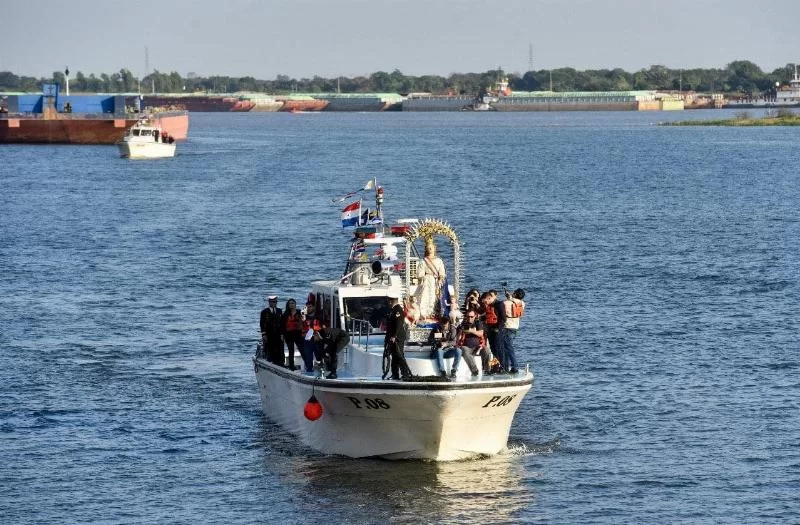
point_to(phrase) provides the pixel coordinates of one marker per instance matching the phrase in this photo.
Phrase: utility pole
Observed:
(530, 57)
(147, 69)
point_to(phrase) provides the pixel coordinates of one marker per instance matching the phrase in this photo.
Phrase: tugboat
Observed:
(146, 140)
(358, 411)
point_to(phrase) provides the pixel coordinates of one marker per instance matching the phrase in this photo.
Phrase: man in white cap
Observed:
(271, 338)
(395, 339)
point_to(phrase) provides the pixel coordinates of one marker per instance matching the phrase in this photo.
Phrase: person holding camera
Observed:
(443, 345)
(472, 343)
(471, 302)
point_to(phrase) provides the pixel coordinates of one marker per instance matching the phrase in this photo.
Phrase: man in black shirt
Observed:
(471, 342)
(271, 338)
(395, 339)
(330, 341)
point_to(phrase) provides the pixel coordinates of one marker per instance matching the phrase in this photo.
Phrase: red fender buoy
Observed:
(312, 410)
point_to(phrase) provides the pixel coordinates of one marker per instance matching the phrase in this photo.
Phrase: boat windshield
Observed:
(359, 311)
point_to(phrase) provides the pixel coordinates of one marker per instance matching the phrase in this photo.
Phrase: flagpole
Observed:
(378, 199)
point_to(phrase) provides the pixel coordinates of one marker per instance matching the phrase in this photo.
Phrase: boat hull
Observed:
(267, 106)
(77, 129)
(437, 103)
(138, 150)
(198, 103)
(303, 105)
(370, 417)
(520, 104)
(174, 123)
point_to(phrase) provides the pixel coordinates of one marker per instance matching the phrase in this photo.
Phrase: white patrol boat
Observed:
(146, 140)
(362, 414)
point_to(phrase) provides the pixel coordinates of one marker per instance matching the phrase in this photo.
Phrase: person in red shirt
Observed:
(292, 327)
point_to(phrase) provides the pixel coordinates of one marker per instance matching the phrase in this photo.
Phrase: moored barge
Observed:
(51, 118)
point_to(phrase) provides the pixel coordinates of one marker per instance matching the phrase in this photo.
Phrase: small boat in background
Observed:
(146, 140)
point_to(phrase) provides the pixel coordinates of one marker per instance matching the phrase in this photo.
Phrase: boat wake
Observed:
(533, 449)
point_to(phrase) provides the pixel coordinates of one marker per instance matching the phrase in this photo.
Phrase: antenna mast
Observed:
(530, 57)
(147, 69)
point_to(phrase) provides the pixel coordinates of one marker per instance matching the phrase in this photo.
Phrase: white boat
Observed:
(365, 415)
(146, 140)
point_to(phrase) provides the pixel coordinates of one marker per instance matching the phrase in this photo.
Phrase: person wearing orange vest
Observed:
(514, 308)
(292, 326)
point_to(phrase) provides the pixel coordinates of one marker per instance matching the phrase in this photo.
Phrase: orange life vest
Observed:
(491, 315)
(517, 309)
(312, 324)
(293, 323)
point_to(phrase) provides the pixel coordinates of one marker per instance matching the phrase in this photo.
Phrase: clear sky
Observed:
(303, 38)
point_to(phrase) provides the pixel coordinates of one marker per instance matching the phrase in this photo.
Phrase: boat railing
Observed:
(360, 331)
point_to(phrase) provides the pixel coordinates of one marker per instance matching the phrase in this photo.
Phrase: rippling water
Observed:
(662, 272)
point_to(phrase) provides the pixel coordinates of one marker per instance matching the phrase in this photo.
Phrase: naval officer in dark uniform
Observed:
(395, 340)
(271, 337)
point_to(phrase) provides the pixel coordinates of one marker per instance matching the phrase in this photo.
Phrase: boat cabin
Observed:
(145, 132)
(382, 260)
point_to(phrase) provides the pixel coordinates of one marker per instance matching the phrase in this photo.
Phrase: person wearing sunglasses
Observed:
(472, 343)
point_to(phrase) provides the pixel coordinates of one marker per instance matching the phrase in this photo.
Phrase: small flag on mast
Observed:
(351, 214)
(368, 186)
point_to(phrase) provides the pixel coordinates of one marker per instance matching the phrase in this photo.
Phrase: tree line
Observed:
(741, 76)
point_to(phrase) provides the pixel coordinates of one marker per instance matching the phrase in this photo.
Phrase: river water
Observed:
(661, 265)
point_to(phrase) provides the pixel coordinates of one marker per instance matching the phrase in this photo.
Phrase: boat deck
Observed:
(422, 364)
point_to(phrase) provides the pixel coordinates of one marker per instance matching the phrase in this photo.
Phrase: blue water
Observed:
(661, 266)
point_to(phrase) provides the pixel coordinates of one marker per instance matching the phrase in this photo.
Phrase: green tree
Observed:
(620, 80)
(9, 81)
(116, 83)
(128, 81)
(659, 77)
(60, 79)
(283, 83)
(80, 82)
(743, 75)
(381, 81)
